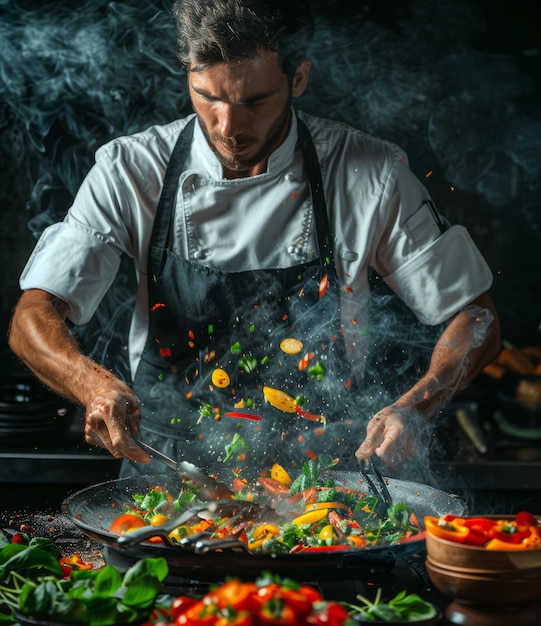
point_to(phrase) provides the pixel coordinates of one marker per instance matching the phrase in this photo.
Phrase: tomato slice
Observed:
(126, 522)
(181, 604)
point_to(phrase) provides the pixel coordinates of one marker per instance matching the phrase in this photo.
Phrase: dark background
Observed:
(455, 82)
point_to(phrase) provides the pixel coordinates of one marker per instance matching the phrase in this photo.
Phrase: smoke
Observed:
(75, 74)
(72, 76)
(430, 87)
(388, 349)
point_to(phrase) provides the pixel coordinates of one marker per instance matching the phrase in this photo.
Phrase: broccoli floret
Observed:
(327, 495)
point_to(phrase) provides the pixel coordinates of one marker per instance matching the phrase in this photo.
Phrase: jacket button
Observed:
(199, 255)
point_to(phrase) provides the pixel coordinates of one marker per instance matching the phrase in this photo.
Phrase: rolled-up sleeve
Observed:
(73, 264)
(443, 277)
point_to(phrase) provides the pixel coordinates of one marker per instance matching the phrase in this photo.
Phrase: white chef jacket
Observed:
(379, 213)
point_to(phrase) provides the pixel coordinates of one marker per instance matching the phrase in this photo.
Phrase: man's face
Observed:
(244, 110)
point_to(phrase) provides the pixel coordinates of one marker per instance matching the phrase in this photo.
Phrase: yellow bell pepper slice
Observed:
(325, 505)
(280, 474)
(327, 534)
(498, 544)
(261, 534)
(449, 530)
(266, 531)
(279, 399)
(220, 378)
(311, 517)
(179, 533)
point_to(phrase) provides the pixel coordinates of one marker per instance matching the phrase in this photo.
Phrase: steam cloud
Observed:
(76, 74)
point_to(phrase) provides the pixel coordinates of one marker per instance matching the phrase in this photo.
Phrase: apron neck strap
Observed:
(315, 183)
(175, 167)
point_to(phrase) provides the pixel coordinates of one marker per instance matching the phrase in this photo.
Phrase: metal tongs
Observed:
(208, 487)
(380, 490)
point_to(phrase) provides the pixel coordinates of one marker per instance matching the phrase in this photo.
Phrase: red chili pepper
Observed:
(309, 416)
(243, 416)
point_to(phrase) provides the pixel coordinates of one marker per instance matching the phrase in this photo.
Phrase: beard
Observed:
(237, 164)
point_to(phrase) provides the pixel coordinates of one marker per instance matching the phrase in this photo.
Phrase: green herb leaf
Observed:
(236, 446)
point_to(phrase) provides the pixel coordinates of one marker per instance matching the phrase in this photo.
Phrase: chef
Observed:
(250, 223)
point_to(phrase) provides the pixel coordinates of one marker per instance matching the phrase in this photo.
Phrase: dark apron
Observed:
(203, 320)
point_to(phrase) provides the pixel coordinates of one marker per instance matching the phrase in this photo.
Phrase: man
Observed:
(249, 223)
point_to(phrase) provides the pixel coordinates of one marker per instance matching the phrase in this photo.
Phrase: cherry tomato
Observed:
(124, 523)
(277, 613)
(310, 593)
(181, 604)
(330, 614)
(200, 614)
(236, 595)
(242, 618)
(523, 518)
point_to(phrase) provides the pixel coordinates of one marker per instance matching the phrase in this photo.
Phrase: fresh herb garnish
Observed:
(234, 448)
(150, 500)
(403, 607)
(311, 475)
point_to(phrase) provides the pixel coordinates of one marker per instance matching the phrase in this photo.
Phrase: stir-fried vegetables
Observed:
(310, 512)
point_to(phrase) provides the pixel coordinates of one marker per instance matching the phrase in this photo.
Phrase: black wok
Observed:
(93, 509)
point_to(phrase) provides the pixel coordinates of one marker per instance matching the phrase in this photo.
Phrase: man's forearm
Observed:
(40, 337)
(470, 342)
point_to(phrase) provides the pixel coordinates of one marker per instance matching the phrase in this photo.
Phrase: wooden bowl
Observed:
(475, 575)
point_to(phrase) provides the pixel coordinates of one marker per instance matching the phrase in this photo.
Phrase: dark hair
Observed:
(224, 31)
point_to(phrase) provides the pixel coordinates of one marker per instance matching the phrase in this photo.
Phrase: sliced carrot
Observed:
(323, 284)
(290, 345)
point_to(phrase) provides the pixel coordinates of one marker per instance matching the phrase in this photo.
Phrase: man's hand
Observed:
(469, 342)
(388, 436)
(40, 337)
(112, 416)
